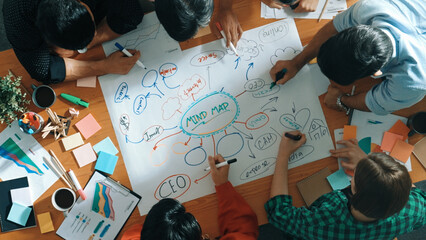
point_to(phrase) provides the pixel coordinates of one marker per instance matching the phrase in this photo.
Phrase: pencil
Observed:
(61, 168)
(323, 10)
(50, 164)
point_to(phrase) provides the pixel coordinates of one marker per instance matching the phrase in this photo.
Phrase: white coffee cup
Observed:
(63, 199)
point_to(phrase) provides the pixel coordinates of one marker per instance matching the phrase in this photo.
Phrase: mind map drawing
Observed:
(204, 101)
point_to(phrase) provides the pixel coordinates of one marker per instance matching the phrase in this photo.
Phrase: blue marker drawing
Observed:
(121, 92)
(374, 121)
(237, 61)
(251, 65)
(139, 105)
(45, 166)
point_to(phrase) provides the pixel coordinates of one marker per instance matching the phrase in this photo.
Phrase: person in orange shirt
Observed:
(168, 219)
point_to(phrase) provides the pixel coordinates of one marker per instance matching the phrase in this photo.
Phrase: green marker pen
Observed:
(74, 100)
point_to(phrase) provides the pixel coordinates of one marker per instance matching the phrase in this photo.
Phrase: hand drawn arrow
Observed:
(134, 142)
(251, 65)
(279, 134)
(247, 136)
(252, 154)
(196, 180)
(152, 94)
(274, 99)
(186, 143)
(294, 108)
(165, 129)
(272, 109)
(237, 61)
(155, 146)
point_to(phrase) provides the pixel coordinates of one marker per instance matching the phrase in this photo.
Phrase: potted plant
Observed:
(12, 101)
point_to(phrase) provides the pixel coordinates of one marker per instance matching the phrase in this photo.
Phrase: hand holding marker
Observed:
(278, 76)
(294, 137)
(223, 35)
(127, 53)
(222, 164)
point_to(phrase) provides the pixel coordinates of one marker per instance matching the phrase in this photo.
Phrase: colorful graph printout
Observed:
(11, 151)
(102, 201)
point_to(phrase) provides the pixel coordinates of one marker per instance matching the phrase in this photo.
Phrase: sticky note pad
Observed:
(19, 214)
(21, 196)
(84, 155)
(389, 139)
(106, 162)
(88, 126)
(87, 82)
(401, 129)
(349, 132)
(365, 144)
(72, 141)
(402, 150)
(339, 180)
(45, 222)
(105, 145)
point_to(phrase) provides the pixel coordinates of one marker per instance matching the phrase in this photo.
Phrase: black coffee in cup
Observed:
(43, 96)
(417, 123)
(64, 198)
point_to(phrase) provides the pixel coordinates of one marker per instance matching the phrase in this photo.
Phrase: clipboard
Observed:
(103, 214)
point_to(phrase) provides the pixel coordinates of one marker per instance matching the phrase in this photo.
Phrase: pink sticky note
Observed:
(88, 126)
(84, 155)
(87, 82)
(389, 140)
(402, 151)
(400, 128)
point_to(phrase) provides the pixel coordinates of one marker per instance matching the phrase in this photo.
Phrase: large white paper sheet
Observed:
(22, 156)
(205, 101)
(331, 10)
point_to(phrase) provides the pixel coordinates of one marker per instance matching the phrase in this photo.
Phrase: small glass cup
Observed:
(30, 122)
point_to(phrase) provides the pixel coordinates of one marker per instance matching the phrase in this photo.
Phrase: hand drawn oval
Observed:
(273, 32)
(195, 156)
(173, 186)
(254, 85)
(230, 144)
(152, 133)
(265, 141)
(139, 104)
(266, 91)
(159, 155)
(150, 78)
(124, 123)
(167, 70)
(257, 168)
(296, 121)
(121, 92)
(207, 58)
(180, 148)
(301, 153)
(209, 115)
(257, 121)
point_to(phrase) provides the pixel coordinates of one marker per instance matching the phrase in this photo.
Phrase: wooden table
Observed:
(205, 208)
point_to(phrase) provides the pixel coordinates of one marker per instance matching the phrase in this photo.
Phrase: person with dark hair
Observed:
(383, 39)
(45, 34)
(379, 204)
(183, 18)
(169, 220)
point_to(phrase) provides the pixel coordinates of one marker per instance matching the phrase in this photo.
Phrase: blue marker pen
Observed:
(127, 53)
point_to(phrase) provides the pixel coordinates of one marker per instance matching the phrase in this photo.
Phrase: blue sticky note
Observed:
(19, 214)
(365, 144)
(105, 145)
(106, 162)
(339, 180)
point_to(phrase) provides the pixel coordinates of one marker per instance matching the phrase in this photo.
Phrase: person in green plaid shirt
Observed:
(379, 204)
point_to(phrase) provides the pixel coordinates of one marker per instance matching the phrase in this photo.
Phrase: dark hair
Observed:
(65, 23)
(182, 18)
(382, 186)
(354, 53)
(168, 220)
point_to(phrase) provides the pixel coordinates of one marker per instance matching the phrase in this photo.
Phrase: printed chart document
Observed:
(104, 212)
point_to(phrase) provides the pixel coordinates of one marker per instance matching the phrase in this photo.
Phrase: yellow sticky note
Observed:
(402, 150)
(349, 132)
(45, 222)
(72, 141)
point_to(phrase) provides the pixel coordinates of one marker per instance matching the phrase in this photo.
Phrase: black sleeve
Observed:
(124, 15)
(28, 44)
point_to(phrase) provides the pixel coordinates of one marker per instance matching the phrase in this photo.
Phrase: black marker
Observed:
(294, 137)
(278, 76)
(222, 164)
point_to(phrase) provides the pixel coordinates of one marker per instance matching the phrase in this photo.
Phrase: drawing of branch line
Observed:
(146, 34)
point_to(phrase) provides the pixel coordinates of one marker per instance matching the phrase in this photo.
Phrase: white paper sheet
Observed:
(169, 118)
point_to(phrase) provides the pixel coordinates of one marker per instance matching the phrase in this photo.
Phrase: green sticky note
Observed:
(19, 214)
(365, 144)
(339, 180)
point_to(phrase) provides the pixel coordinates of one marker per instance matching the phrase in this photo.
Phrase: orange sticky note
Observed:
(389, 140)
(401, 129)
(402, 150)
(88, 126)
(349, 132)
(45, 222)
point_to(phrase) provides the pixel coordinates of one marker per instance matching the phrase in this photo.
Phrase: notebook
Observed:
(314, 186)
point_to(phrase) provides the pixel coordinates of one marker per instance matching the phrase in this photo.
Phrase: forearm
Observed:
(103, 34)
(225, 4)
(76, 69)
(279, 184)
(356, 102)
(312, 49)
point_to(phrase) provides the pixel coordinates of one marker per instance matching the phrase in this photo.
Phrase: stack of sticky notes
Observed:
(45, 222)
(394, 142)
(84, 155)
(19, 214)
(88, 126)
(105, 145)
(106, 162)
(72, 141)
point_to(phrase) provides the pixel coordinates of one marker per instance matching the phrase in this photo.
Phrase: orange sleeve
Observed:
(236, 218)
(133, 233)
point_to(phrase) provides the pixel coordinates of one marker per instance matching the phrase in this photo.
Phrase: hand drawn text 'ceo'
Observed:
(210, 114)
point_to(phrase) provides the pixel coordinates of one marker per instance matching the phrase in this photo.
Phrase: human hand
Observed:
(273, 4)
(330, 98)
(288, 145)
(230, 25)
(118, 63)
(352, 152)
(219, 175)
(291, 67)
(306, 6)
(64, 53)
